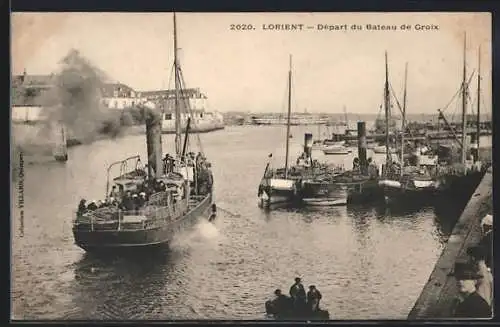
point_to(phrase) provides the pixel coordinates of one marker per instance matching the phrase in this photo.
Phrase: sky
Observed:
(247, 70)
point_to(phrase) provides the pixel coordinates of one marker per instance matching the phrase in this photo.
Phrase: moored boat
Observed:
(316, 193)
(276, 186)
(336, 150)
(381, 149)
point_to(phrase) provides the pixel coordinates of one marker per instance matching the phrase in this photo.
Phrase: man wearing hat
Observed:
(298, 294)
(472, 304)
(281, 303)
(487, 239)
(313, 298)
(484, 285)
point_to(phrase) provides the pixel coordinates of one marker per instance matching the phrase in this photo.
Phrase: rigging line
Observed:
(399, 106)
(459, 91)
(191, 113)
(186, 103)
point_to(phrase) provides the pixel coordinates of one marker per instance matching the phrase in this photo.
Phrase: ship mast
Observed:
(464, 105)
(387, 113)
(478, 119)
(403, 121)
(288, 117)
(178, 136)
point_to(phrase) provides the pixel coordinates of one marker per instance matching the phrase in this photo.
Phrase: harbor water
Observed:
(369, 263)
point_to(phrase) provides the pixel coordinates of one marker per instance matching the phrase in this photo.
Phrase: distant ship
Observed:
(295, 120)
(201, 120)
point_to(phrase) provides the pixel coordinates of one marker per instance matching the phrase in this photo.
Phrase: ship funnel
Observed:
(153, 143)
(308, 142)
(363, 163)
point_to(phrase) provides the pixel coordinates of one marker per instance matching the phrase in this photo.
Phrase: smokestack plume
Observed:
(76, 100)
(153, 142)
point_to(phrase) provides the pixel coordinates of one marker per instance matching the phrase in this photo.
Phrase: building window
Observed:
(168, 116)
(133, 103)
(116, 104)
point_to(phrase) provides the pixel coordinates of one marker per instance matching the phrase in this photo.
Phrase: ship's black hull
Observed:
(409, 197)
(460, 188)
(323, 194)
(114, 240)
(364, 192)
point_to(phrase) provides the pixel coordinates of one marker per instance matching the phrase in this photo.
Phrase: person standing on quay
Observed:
(487, 239)
(472, 305)
(484, 285)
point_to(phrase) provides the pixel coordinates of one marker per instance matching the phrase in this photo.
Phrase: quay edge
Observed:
(437, 298)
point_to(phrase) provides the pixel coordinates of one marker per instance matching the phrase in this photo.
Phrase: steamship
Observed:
(295, 120)
(174, 194)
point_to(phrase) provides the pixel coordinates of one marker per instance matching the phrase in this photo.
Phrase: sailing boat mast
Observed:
(403, 120)
(464, 105)
(178, 148)
(288, 117)
(387, 113)
(478, 119)
(345, 117)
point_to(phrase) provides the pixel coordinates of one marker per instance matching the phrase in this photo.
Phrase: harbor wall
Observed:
(438, 297)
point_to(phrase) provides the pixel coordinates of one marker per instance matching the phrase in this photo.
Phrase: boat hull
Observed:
(408, 193)
(112, 239)
(274, 191)
(323, 194)
(460, 188)
(336, 151)
(201, 129)
(363, 192)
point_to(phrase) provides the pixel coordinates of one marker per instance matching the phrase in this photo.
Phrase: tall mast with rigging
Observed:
(387, 113)
(464, 104)
(178, 136)
(403, 120)
(288, 117)
(478, 119)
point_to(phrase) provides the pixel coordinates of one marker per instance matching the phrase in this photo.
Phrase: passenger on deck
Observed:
(313, 298)
(142, 198)
(127, 202)
(114, 192)
(298, 294)
(372, 169)
(484, 285)
(168, 163)
(147, 188)
(472, 305)
(355, 164)
(92, 206)
(113, 202)
(82, 207)
(135, 202)
(487, 239)
(100, 204)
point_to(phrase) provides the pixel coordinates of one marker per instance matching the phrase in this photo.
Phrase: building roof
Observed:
(108, 90)
(192, 92)
(42, 81)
